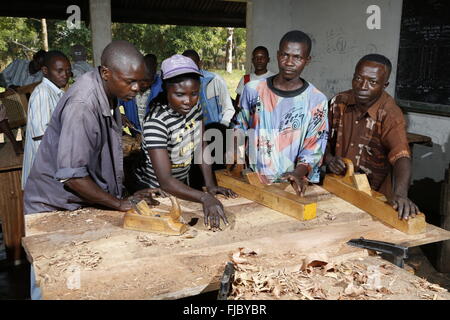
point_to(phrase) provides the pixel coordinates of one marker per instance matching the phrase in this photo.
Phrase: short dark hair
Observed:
(49, 56)
(297, 36)
(379, 58)
(191, 53)
(261, 48)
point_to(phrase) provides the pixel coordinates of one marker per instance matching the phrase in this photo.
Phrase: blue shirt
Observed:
(131, 108)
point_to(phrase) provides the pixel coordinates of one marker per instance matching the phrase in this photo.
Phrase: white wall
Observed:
(430, 162)
(339, 33)
(340, 38)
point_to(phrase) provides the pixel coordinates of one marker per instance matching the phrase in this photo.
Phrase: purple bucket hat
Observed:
(178, 64)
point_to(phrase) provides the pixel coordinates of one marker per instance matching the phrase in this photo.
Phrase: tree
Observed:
(18, 39)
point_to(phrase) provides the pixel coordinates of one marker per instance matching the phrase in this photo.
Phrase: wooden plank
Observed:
(270, 196)
(373, 205)
(11, 211)
(176, 267)
(443, 259)
(8, 158)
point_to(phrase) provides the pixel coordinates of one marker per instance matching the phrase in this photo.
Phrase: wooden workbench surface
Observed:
(110, 262)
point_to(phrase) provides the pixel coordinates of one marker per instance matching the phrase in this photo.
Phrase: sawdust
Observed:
(64, 261)
(317, 279)
(69, 220)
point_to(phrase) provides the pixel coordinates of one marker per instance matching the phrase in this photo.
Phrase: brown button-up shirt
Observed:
(374, 140)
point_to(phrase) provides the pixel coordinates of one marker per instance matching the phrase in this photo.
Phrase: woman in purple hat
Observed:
(172, 135)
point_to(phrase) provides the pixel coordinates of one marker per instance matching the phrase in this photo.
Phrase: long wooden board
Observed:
(138, 265)
(373, 205)
(270, 196)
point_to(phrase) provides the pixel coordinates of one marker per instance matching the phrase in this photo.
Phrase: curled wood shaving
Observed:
(145, 240)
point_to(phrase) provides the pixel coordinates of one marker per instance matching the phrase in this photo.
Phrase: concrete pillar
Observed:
(100, 20)
(249, 33)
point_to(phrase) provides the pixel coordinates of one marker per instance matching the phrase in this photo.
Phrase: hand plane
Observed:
(142, 218)
(355, 188)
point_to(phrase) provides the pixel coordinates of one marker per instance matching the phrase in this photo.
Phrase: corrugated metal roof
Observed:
(218, 13)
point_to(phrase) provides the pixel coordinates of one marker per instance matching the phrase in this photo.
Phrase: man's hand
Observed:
(147, 195)
(405, 207)
(213, 211)
(228, 193)
(124, 205)
(337, 165)
(299, 183)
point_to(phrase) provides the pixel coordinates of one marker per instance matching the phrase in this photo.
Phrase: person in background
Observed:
(79, 64)
(260, 59)
(218, 110)
(42, 103)
(150, 87)
(367, 127)
(4, 128)
(214, 96)
(22, 72)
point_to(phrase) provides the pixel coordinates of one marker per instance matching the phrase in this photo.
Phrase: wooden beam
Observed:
(373, 204)
(269, 196)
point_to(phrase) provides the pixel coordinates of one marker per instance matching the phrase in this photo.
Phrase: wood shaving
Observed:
(145, 240)
(314, 281)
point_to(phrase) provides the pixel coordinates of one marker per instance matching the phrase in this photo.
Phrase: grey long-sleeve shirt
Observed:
(83, 138)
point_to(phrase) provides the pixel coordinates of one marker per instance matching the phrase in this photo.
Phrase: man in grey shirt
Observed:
(80, 161)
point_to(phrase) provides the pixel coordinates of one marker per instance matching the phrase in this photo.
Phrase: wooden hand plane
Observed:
(355, 188)
(248, 185)
(142, 218)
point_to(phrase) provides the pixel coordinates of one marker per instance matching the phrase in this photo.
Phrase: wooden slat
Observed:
(11, 210)
(270, 196)
(373, 205)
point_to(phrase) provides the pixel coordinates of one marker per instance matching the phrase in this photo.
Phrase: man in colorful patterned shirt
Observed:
(285, 119)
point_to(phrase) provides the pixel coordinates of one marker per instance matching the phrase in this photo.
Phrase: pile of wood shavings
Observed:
(66, 259)
(424, 287)
(317, 280)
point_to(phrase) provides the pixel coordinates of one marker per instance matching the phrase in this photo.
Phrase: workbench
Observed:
(86, 254)
(11, 200)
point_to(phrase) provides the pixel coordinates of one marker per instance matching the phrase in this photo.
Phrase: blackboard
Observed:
(423, 73)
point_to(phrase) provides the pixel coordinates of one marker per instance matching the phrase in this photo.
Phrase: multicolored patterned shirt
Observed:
(290, 128)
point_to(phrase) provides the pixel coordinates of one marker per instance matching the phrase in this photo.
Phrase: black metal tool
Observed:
(398, 252)
(226, 281)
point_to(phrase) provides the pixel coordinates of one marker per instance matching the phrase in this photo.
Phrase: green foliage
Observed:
(18, 39)
(166, 40)
(21, 37)
(62, 38)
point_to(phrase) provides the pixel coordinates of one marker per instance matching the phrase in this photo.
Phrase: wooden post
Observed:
(11, 202)
(443, 259)
(44, 34)
(229, 53)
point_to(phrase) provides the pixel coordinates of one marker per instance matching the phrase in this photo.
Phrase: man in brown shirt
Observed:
(368, 127)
